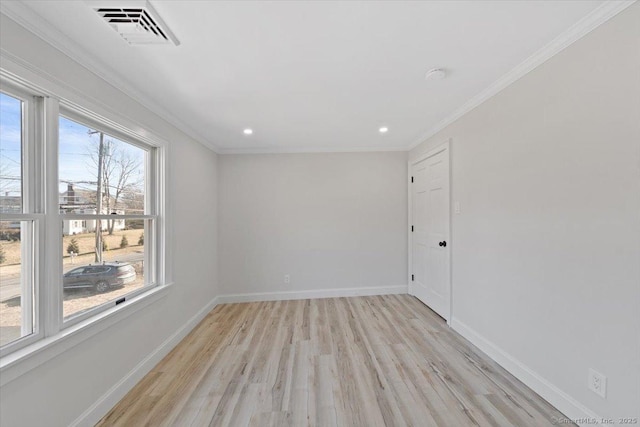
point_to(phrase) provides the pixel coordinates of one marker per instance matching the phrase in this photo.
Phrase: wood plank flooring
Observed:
(363, 361)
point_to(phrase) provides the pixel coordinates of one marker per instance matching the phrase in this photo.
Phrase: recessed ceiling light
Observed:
(248, 131)
(383, 129)
(435, 74)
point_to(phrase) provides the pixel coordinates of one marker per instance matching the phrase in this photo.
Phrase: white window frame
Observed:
(32, 212)
(51, 333)
(150, 209)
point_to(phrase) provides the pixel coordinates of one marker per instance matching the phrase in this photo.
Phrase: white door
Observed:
(429, 231)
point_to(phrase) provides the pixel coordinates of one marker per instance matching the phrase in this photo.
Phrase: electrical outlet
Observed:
(598, 383)
(287, 278)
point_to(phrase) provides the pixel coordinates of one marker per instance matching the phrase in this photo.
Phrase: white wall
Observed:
(57, 392)
(546, 250)
(330, 221)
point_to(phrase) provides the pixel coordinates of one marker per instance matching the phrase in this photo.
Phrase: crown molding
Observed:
(308, 150)
(36, 24)
(597, 17)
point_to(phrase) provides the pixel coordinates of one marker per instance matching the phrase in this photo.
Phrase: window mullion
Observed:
(36, 168)
(72, 216)
(31, 188)
(52, 269)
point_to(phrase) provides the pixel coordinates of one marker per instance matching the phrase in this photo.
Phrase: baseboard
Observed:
(562, 401)
(566, 404)
(312, 294)
(102, 406)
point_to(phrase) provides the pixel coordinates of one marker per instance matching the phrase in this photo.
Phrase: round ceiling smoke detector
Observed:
(435, 74)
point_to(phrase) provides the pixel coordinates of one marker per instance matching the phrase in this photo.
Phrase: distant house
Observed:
(82, 202)
(73, 199)
(8, 205)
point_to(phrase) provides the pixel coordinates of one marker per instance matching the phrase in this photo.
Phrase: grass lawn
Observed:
(86, 242)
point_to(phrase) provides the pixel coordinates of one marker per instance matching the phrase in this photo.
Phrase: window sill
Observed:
(24, 360)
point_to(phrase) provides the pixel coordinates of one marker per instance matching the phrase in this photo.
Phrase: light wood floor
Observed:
(364, 361)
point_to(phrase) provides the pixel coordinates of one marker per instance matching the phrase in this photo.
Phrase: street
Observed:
(10, 282)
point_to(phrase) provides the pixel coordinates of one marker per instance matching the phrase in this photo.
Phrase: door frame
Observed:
(444, 146)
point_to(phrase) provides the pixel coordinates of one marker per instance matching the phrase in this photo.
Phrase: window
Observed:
(102, 183)
(79, 216)
(18, 220)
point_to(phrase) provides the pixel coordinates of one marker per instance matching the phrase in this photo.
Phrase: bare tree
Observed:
(118, 175)
(133, 200)
(126, 181)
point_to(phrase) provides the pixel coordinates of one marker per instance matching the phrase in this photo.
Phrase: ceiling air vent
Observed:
(136, 21)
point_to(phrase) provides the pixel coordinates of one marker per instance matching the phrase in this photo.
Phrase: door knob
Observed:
(443, 244)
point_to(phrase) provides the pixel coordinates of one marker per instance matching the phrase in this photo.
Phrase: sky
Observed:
(75, 147)
(10, 130)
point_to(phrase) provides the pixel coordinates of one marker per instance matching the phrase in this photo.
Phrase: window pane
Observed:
(10, 154)
(16, 288)
(94, 277)
(89, 159)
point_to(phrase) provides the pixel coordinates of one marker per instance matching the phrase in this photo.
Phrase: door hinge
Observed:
(412, 228)
(412, 278)
(411, 179)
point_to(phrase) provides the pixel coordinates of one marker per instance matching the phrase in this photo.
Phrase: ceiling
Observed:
(316, 76)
